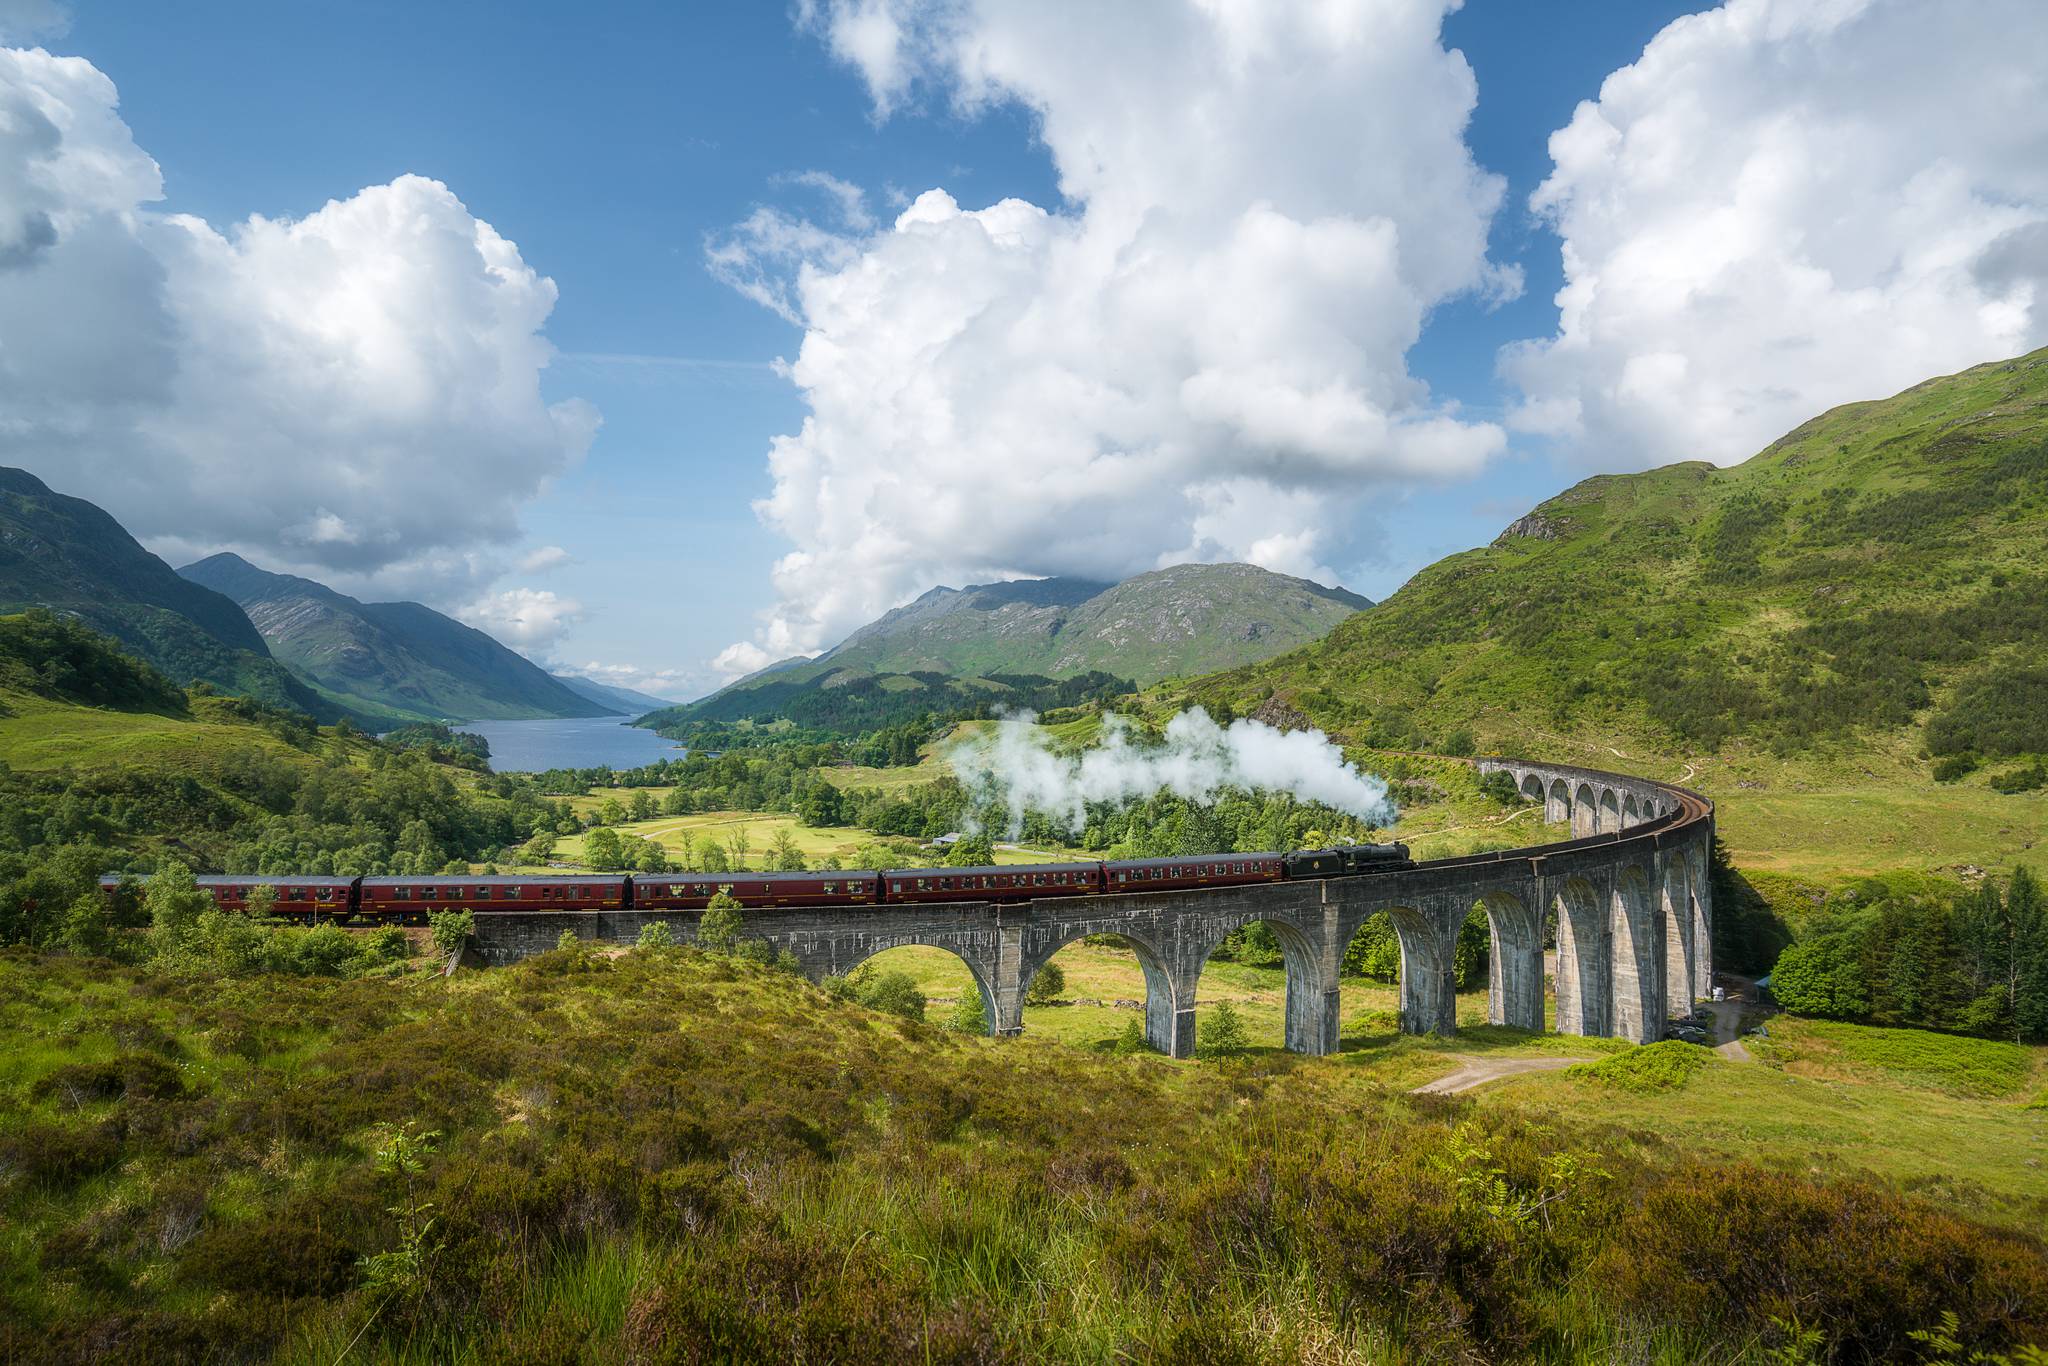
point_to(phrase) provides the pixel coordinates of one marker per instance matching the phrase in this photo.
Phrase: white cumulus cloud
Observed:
(1198, 355)
(354, 393)
(1788, 204)
(527, 619)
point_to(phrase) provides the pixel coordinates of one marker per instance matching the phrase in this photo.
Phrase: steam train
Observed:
(409, 900)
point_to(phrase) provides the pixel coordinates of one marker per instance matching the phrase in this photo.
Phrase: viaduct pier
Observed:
(1629, 891)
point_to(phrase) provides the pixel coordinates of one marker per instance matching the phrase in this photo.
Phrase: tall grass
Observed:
(674, 1157)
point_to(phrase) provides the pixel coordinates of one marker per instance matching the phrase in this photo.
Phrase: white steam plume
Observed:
(1198, 760)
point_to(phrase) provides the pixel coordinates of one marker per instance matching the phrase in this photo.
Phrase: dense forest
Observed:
(1926, 952)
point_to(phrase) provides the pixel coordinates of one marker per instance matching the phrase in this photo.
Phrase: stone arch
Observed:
(991, 1000)
(1165, 998)
(1585, 812)
(1582, 971)
(1674, 899)
(1307, 991)
(1638, 960)
(1557, 806)
(1610, 813)
(1429, 995)
(1514, 969)
(1532, 787)
(1631, 814)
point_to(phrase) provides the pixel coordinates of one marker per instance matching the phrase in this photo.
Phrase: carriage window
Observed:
(401, 893)
(923, 884)
(830, 888)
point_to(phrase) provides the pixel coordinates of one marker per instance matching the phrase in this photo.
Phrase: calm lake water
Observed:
(575, 742)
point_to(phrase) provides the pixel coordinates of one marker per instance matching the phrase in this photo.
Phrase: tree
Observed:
(261, 903)
(676, 802)
(539, 849)
(783, 855)
(721, 926)
(738, 844)
(711, 857)
(603, 850)
(655, 936)
(611, 812)
(174, 903)
(1046, 986)
(649, 857)
(969, 1015)
(971, 851)
(2028, 912)
(450, 929)
(1822, 977)
(1221, 1033)
(642, 806)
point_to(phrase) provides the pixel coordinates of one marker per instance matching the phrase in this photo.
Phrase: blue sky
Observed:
(611, 142)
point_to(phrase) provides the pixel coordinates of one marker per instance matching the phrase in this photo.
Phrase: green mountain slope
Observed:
(1018, 643)
(396, 659)
(66, 554)
(1871, 582)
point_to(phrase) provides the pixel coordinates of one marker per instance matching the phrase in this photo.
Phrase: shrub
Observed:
(1459, 744)
(1221, 1032)
(1654, 1067)
(655, 936)
(2030, 779)
(895, 993)
(1046, 986)
(1955, 768)
(1734, 1250)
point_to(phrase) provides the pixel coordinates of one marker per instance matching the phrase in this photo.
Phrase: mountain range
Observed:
(68, 555)
(998, 643)
(398, 660)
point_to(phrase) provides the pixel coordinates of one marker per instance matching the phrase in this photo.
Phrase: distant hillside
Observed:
(66, 554)
(1192, 618)
(852, 701)
(625, 701)
(396, 659)
(962, 647)
(1873, 578)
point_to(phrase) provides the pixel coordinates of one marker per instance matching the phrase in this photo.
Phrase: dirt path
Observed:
(1475, 1072)
(1728, 1030)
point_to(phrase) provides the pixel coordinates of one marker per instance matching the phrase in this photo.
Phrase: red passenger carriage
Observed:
(1194, 870)
(992, 884)
(407, 900)
(693, 891)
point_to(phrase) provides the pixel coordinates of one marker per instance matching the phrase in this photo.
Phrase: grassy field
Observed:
(37, 734)
(1941, 1115)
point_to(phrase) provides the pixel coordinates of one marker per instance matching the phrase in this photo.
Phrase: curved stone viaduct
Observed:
(1629, 892)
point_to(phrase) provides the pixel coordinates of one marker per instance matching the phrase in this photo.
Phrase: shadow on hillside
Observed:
(1748, 934)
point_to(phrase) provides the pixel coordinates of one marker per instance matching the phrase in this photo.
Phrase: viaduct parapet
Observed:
(1629, 893)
